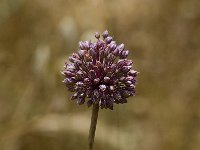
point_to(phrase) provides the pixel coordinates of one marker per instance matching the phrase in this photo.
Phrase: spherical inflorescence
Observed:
(100, 73)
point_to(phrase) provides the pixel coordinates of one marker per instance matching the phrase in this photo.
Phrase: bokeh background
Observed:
(37, 36)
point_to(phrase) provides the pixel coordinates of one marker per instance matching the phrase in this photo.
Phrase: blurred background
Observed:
(163, 37)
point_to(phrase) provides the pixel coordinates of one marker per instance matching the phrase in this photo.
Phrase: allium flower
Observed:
(100, 73)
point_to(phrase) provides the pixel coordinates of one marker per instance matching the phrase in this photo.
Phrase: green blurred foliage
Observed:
(36, 38)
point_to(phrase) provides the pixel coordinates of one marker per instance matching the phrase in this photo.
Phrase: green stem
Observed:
(93, 124)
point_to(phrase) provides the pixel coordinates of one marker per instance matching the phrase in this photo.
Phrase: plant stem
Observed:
(93, 124)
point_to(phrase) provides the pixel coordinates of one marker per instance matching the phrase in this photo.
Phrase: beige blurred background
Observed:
(37, 36)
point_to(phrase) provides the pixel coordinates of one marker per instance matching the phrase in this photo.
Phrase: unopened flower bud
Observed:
(86, 80)
(81, 53)
(124, 54)
(79, 83)
(129, 78)
(105, 34)
(121, 48)
(106, 79)
(133, 73)
(84, 45)
(116, 52)
(102, 88)
(74, 96)
(111, 88)
(72, 59)
(97, 35)
(126, 68)
(112, 46)
(108, 39)
(96, 81)
(81, 100)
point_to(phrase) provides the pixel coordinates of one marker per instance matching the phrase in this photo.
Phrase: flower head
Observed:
(100, 73)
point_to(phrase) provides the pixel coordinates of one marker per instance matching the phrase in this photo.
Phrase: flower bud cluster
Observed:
(100, 73)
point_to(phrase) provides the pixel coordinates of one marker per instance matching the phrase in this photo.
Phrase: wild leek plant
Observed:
(100, 74)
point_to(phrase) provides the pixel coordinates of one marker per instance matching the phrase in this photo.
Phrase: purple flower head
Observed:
(100, 73)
